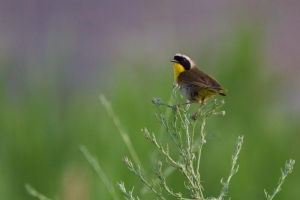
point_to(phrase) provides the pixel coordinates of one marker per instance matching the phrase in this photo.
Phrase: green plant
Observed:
(181, 129)
(35, 193)
(287, 170)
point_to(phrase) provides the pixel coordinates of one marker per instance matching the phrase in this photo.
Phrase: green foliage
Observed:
(181, 128)
(287, 170)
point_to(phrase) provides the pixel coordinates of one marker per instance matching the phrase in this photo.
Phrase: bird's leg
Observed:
(195, 115)
(182, 104)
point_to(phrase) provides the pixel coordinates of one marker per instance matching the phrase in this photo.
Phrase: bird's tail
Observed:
(222, 91)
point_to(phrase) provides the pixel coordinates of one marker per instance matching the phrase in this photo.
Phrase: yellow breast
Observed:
(178, 68)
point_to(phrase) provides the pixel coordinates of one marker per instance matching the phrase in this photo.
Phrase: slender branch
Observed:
(35, 193)
(95, 164)
(201, 143)
(122, 131)
(287, 170)
(139, 174)
(234, 168)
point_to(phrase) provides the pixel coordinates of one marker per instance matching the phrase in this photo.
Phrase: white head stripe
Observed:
(186, 57)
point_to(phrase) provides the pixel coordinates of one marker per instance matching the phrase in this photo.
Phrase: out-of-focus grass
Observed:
(42, 127)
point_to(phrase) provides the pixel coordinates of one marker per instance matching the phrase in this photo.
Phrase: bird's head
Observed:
(184, 62)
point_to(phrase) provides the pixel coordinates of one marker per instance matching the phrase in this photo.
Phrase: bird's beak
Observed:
(174, 61)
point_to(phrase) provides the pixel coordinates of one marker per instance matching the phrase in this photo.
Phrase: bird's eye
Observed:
(185, 63)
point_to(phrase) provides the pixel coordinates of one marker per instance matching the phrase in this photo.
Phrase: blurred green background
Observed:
(57, 57)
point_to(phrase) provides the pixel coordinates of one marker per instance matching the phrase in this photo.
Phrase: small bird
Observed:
(194, 84)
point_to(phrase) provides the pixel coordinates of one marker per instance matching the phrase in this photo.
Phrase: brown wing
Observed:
(196, 77)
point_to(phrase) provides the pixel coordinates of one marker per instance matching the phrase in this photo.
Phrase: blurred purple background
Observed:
(95, 33)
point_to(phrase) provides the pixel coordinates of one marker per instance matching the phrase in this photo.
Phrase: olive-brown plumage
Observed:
(194, 84)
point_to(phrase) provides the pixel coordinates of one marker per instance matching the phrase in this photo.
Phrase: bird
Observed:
(195, 85)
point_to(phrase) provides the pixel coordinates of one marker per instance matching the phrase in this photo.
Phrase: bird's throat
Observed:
(178, 68)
